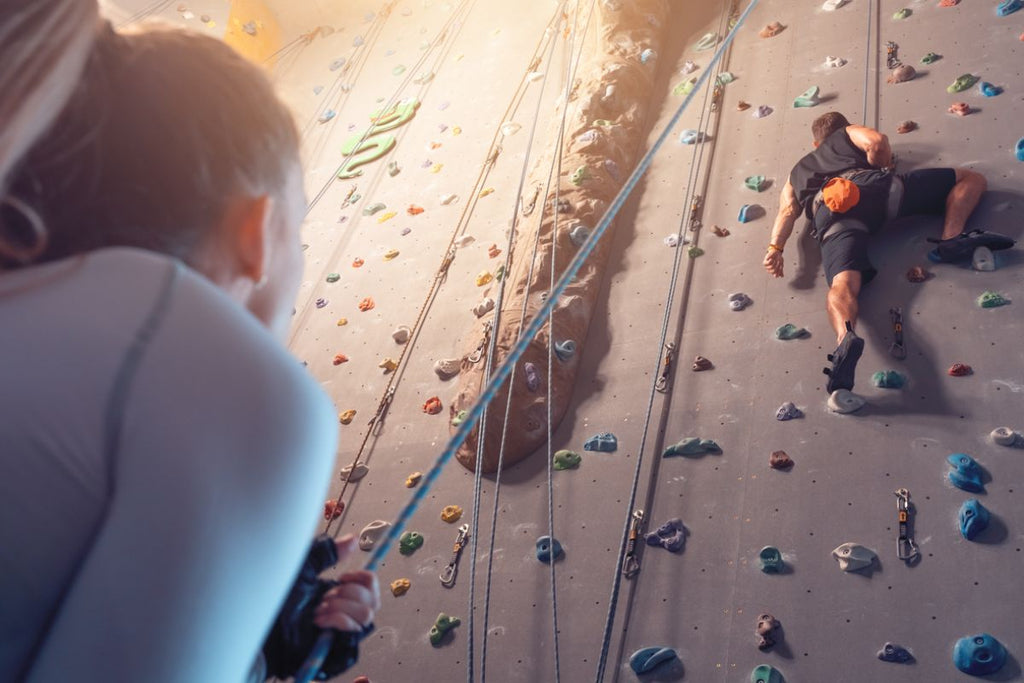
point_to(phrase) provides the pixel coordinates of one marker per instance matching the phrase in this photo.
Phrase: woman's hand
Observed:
(353, 604)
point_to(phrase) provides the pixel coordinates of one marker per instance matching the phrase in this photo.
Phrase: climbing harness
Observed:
(906, 548)
(630, 563)
(448, 575)
(666, 367)
(898, 350)
(892, 59)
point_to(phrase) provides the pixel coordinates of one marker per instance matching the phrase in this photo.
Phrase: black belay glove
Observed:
(294, 632)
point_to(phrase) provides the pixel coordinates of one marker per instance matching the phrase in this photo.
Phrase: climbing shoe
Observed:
(961, 247)
(844, 362)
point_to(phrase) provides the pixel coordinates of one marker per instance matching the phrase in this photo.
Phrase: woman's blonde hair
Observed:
(44, 45)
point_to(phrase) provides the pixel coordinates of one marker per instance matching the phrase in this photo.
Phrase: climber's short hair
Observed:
(826, 124)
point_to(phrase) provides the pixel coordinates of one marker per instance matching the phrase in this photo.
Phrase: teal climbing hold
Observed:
(409, 542)
(566, 460)
(979, 655)
(757, 183)
(974, 518)
(989, 90)
(966, 473)
(1019, 150)
(771, 560)
(692, 445)
(930, 58)
(333, 277)
(990, 299)
(765, 674)
(1008, 7)
(724, 78)
(442, 625)
(647, 55)
(748, 212)
(374, 208)
(809, 98)
(790, 331)
(647, 659)
(604, 443)
(548, 549)
(888, 379)
(962, 82)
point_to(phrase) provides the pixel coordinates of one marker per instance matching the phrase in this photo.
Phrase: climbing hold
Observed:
(435, 168)
(357, 41)
(484, 307)
(930, 58)
(451, 513)
(612, 168)
(901, 14)
(762, 111)
(853, 556)
(372, 533)
(384, 217)
(809, 98)
(989, 90)
(333, 510)
(366, 304)
(790, 331)
(447, 368)
(391, 254)
(779, 460)
(442, 625)
(966, 473)
(892, 652)
(888, 379)
(724, 78)
(400, 587)
(401, 334)
(410, 542)
(917, 274)
(357, 262)
(447, 199)
(989, 299)
(483, 278)
(414, 210)
(388, 365)
(684, 88)
(688, 67)
(960, 370)
(432, 406)
(464, 241)
(771, 560)
(671, 535)
(565, 350)
(692, 445)
(767, 673)
(979, 655)
(983, 260)
(532, 376)
(579, 175)
(674, 239)
(720, 232)
(833, 5)
(788, 411)
(647, 659)
(604, 443)
(834, 62)
(1004, 436)
(578, 234)
(948, 3)
(393, 168)
(906, 127)
(566, 460)
(749, 212)
(398, 70)
(510, 128)
(707, 42)
(743, 106)
(493, 251)
(962, 82)
(346, 417)
(901, 74)
(333, 277)
(694, 252)
(340, 358)
(767, 631)
(1019, 149)
(691, 137)
(771, 30)
(960, 108)
(738, 301)
(1008, 7)
(548, 549)
(974, 518)
(354, 473)
(700, 363)
(320, 302)
(327, 116)
(413, 479)
(647, 55)
(459, 418)
(757, 183)
(424, 78)
(844, 401)
(374, 208)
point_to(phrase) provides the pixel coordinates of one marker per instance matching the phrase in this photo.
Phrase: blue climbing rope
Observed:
(323, 644)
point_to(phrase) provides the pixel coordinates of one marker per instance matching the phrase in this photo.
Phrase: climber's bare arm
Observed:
(785, 219)
(873, 143)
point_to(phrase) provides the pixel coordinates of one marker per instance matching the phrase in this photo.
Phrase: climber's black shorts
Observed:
(925, 191)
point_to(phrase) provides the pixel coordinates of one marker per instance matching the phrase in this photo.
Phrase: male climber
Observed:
(847, 189)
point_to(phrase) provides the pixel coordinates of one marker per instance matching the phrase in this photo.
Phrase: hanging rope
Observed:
(867, 66)
(149, 11)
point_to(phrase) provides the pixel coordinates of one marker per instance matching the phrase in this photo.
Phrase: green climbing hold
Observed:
(684, 88)
(809, 98)
(692, 445)
(901, 14)
(930, 58)
(724, 78)
(962, 82)
(604, 123)
(566, 460)
(694, 252)
(888, 379)
(757, 183)
(707, 42)
(398, 70)
(579, 175)
(374, 208)
(409, 542)
(499, 274)
(459, 418)
(789, 331)
(765, 674)
(991, 299)
(333, 277)
(442, 625)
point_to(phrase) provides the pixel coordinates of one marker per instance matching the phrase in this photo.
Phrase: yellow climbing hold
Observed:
(391, 255)
(342, 322)
(457, 130)
(388, 364)
(347, 416)
(400, 587)
(451, 513)
(413, 479)
(483, 278)
(436, 168)
(386, 216)
(486, 191)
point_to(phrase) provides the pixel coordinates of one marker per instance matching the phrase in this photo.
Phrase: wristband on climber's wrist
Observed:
(774, 247)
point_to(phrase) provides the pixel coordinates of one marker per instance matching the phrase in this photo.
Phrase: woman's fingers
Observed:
(343, 614)
(367, 580)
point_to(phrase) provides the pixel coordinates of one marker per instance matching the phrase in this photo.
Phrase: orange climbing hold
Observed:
(358, 262)
(742, 106)
(435, 145)
(366, 304)
(333, 510)
(771, 30)
(340, 358)
(960, 108)
(493, 251)
(432, 406)
(949, 3)
(414, 210)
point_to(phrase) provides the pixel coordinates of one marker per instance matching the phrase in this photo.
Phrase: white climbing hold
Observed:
(854, 556)
(534, 76)
(424, 78)
(609, 94)
(356, 473)
(844, 401)
(1004, 436)
(510, 128)
(447, 199)
(447, 368)
(833, 5)
(834, 62)
(464, 241)
(401, 334)
(675, 239)
(372, 533)
(688, 68)
(358, 41)
(983, 259)
(327, 116)
(484, 307)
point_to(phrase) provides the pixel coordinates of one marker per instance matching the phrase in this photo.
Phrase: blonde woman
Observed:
(162, 457)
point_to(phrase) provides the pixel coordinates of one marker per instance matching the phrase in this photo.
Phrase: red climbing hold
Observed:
(361, 679)
(917, 274)
(432, 406)
(949, 3)
(340, 358)
(414, 210)
(493, 251)
(960, 370)
(333, 510)
(366, 304)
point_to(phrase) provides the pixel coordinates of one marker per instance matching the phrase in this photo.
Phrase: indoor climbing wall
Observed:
(419, 120)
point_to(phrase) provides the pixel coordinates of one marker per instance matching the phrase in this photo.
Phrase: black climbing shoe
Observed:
(844, 362)
(961, 247)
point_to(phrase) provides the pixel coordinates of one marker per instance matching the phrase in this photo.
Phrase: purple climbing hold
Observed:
(671, 535)
(762, 111)
(738, 301)
(604, 443)
(532, 376)
(612, 168)
(891, 652)
(788, 411)
(321, 302)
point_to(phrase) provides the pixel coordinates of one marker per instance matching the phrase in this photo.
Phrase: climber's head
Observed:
(826, 124)
(169, 141)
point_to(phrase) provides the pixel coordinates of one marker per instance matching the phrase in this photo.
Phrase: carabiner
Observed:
(630, 564)
(906, 548)
(448, 575)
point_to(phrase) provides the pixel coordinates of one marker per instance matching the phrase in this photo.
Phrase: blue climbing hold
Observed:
(1020, 149)
(691, 137)
(648, 658)
(771, 560)
(989, 90)
(745, 212)
(1008, 7)
(891, 652)
(966, 473)
(548, 549)
(604, 443)
(974, 518)
(565, 349)
(979, 655)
